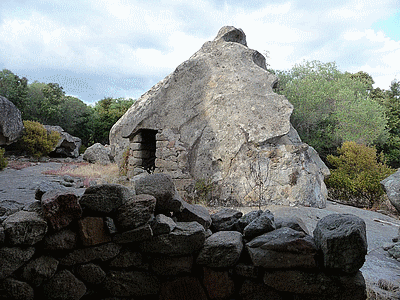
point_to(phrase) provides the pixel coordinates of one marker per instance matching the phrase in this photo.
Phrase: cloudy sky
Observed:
(121, 48)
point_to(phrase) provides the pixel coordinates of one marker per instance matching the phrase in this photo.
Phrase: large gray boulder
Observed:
(11, 125)
(391, 186)
(67, 146)
(98, 153)
(216, 118)
(342, 240)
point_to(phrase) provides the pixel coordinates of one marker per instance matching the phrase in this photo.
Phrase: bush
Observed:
(3, 160)
(36, 141)
(356, 176)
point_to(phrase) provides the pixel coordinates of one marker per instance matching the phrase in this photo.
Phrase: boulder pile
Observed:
(117, 243)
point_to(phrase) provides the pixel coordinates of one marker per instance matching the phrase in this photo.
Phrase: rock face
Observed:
(98, 153)
(216, 117)
(391, 185)
(68, 145)
(11, 125)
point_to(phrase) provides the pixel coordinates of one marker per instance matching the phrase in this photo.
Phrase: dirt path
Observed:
(20, 185)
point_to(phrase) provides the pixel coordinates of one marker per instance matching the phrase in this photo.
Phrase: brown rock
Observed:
(219, 284)
(92, 231)
(60, 208)
(183, 288)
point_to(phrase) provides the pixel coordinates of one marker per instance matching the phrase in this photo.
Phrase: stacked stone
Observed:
(115, 243)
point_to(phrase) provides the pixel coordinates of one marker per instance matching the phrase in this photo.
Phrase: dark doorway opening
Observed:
(147, 152)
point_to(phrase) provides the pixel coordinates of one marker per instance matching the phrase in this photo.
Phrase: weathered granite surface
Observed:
(218, 119)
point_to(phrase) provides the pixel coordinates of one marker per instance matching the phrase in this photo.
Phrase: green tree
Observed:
(106, 113)
(14, 89)
(390, 100)
(356, 175)
(331, 107)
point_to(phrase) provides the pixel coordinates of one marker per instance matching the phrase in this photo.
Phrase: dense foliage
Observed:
(36, 141)
(356, 175)
(3, 160)
(48, 104)
(331, 107)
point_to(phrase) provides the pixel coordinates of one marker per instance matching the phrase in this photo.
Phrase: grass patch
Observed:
(102, 174)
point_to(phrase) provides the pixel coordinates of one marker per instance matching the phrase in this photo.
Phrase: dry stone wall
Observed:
(116, 243)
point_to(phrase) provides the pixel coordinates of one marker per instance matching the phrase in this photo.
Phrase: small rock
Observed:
(225, 220)
(131, 284)
(39, 270)
(221, 250)
(138, 234)
(219, 284)
(182, 288)
(248, 218)
(11, 259)
(85, 255)
(105, 198)
(395, 251)
(162, 188)
(64, 239)
(293, 222)
(18, 290)
(25, 228)
(194, 212)
(91, 273)
(97, 153)
(128, 258)
(163, 225)
(170, 266)
(64, 286)
(186, 238)
(282, 249)
(136, 212)
(263, 224)
(47, 186)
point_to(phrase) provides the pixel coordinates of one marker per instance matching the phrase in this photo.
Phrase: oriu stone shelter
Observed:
(216, 120)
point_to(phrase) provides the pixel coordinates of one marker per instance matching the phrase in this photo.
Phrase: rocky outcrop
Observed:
(148, 255)
(98, 153)
(67, 146)
(217, 119)
(11, 125)
(391, 185)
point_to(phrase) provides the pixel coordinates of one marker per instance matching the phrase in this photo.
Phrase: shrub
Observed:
(36, 141)
(357, 173)
(3, 160)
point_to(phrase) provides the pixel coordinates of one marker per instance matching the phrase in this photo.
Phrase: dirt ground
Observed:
(19, 185)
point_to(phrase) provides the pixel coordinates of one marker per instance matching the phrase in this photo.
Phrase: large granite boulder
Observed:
(98, 153)
(11, 125)
(391, 186)
(342, 240)
(216, 118)
(67, 146)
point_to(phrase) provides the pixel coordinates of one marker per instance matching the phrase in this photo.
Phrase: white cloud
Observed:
(148, 39)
